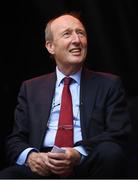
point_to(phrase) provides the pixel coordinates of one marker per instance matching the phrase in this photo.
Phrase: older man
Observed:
(89, 123)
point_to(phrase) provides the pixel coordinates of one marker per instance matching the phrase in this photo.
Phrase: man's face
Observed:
(69, 45)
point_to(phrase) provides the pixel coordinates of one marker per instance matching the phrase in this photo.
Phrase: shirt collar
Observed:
(60, 76)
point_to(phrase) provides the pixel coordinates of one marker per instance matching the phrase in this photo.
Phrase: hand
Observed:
(38, 163)
(63, 163)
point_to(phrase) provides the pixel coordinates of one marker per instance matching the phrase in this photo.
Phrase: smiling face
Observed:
(69, 43)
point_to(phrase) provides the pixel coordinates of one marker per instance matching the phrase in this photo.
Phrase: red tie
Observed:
(64, 136)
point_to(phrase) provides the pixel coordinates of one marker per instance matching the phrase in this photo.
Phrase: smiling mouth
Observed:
(75, 51)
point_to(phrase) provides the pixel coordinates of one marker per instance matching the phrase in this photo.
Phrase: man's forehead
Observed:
(66, 20)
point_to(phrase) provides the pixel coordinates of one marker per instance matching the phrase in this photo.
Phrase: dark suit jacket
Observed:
(103, 112)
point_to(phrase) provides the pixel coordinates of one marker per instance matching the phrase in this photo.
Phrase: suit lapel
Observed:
(88, 90)
(46, 99)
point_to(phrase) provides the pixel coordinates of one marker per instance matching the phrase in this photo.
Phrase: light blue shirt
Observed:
(54, 115)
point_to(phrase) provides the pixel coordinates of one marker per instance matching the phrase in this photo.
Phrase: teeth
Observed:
(75, 50)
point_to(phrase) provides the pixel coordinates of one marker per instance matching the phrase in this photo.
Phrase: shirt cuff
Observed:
(23, 156)
(82, 151)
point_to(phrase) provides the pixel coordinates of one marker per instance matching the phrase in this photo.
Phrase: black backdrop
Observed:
(112, 27)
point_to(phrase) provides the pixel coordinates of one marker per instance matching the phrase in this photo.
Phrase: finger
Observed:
(40, 170)
(61, 172)
(58, 172)
(39, 167)
(59, 164)
(58, 156)
(56, 162)
(58, 168)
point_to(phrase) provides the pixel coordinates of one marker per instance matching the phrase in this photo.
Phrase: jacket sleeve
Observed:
(111, 121)
(18, 140)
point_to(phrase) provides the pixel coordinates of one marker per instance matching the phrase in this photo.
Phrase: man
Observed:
(100, 119)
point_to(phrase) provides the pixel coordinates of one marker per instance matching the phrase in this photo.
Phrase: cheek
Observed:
(85, 44)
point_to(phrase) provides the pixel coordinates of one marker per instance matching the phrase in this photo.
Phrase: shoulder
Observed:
(41, 79)
(105, 84)
(106, 76)
(101, 76)
(102, 80)
(38, 84)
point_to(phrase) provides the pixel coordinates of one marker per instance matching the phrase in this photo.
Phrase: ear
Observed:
(50, 47)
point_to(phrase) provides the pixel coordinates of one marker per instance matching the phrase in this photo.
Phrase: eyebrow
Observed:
(77, 29)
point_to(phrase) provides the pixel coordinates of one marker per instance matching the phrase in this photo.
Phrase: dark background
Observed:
(112, 27)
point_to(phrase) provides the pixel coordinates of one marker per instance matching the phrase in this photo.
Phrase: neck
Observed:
(69, 70)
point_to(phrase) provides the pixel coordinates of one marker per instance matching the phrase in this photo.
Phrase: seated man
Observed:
(82, 112)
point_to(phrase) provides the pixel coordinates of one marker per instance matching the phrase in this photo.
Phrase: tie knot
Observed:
(67, 80)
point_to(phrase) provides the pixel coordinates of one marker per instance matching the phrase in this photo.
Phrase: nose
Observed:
(75, 38)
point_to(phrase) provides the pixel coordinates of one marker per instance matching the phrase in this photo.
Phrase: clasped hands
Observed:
(45, 164)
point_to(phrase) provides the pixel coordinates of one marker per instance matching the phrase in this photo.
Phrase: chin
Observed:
(77, 59)
(76, 62)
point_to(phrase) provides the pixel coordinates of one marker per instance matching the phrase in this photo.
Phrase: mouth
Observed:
(75, 51)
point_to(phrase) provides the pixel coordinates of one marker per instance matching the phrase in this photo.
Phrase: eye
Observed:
(81, 33)
(66, 34)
